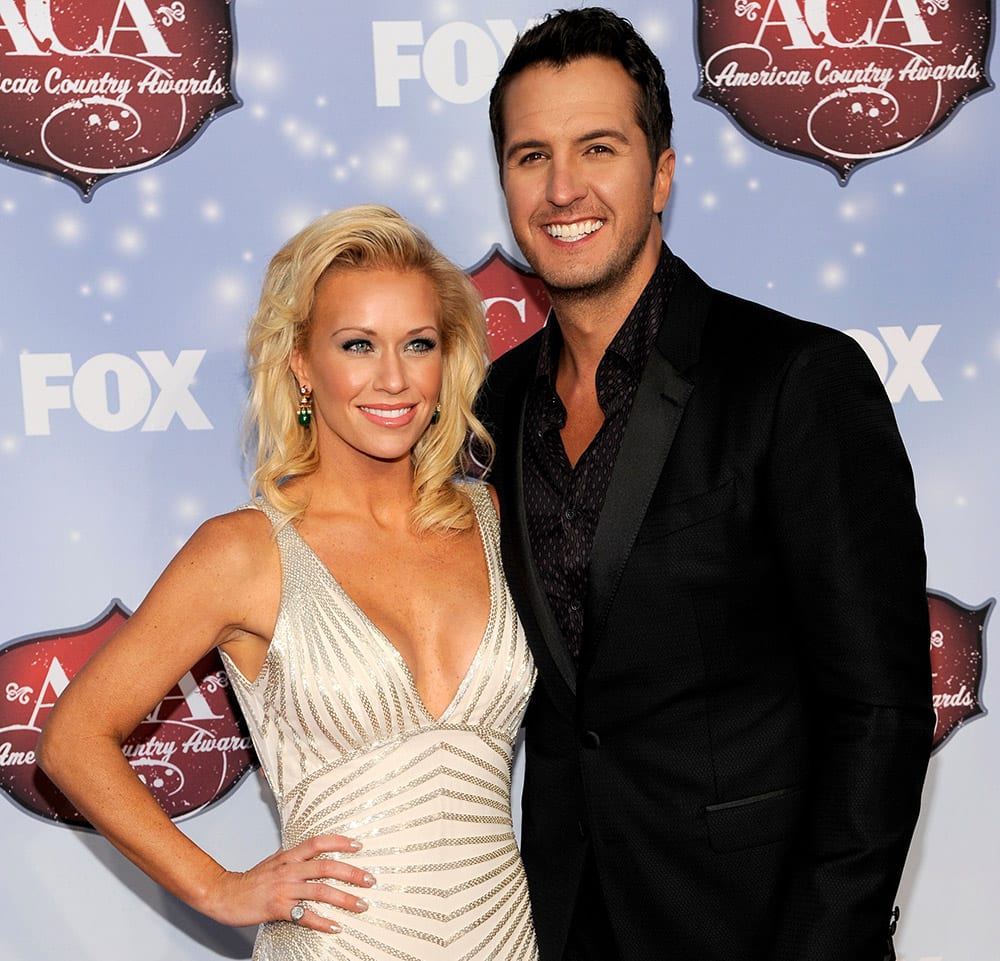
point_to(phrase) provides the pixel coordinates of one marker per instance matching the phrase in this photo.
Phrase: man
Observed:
(709, 528)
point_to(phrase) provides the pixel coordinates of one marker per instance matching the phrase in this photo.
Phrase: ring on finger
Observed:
(297, 912)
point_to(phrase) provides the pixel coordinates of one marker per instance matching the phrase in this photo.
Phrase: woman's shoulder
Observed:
(235, 541)
(228, 570)
(479, 492)
(247, 520)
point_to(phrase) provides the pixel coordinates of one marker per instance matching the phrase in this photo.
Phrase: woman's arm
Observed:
(222, 589)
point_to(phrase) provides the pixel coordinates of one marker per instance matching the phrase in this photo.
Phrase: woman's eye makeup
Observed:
(361, 345)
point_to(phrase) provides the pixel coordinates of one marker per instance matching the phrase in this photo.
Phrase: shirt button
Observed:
(574, 606)
(590, 740)
(569, 514)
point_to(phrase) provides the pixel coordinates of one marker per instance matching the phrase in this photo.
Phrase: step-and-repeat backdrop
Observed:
(836, 161)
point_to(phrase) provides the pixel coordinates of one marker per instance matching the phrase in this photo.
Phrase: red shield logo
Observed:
(956, 662)
(92, 88)
(514, 299)
(842, 83)
(190, 751)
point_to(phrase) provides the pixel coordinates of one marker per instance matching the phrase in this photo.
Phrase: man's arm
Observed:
(845, 515)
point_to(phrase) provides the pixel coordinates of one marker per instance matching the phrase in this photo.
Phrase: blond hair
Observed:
(365, 237)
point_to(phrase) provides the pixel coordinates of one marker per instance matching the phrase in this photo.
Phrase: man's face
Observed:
(581, 195)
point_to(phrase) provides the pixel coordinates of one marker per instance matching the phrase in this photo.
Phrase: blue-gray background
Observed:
(170, 259)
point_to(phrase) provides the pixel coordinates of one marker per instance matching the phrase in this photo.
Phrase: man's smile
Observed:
(575, 231)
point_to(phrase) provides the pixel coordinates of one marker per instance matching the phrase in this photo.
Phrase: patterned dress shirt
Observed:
(564, 501)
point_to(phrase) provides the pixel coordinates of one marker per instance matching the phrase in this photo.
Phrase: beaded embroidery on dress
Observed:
(348, 747)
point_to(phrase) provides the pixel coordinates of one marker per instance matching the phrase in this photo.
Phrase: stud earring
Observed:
(305, 412)
(436, 416)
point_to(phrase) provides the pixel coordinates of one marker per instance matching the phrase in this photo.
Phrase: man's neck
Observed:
(589, 321)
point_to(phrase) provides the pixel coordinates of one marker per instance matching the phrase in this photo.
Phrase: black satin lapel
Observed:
(656, 413)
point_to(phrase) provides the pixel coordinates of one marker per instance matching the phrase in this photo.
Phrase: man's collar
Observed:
(638, 330)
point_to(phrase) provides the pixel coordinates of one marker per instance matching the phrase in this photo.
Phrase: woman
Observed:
(360, 610)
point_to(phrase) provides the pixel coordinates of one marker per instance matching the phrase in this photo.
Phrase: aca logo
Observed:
(514, 300)
(190, 751)
(842, 83)
(957, 632)
(90, 88)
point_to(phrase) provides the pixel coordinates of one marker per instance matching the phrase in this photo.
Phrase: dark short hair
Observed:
(568, 35)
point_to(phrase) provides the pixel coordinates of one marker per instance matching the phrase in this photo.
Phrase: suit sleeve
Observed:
(842, 497)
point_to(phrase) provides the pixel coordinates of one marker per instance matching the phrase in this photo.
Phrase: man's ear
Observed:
(663, 178)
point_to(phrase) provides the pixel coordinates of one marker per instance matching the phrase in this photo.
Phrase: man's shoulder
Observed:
(728, 308)
(514, 366)
(744, 339)
(738, 322)
(521, 357)
(507, 382)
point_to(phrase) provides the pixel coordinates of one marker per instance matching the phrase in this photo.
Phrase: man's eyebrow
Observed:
(603, 133)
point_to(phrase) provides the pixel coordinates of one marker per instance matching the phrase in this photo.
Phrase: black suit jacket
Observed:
(744, 745)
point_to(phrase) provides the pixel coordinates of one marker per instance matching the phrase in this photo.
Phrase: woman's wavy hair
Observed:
(365, 237)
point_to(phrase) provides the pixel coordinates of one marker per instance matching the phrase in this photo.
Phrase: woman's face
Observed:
(373, 360)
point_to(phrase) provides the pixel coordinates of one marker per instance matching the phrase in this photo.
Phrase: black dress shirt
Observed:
(564, 501)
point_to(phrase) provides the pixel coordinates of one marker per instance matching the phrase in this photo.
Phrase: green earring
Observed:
(436, 416)
(305, 412)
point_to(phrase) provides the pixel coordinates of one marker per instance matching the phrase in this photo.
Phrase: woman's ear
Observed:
(298, 366)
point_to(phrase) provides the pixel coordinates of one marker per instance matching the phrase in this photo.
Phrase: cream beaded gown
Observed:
(349, 748)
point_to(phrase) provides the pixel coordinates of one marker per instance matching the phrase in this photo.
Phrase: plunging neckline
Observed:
(393, 650)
